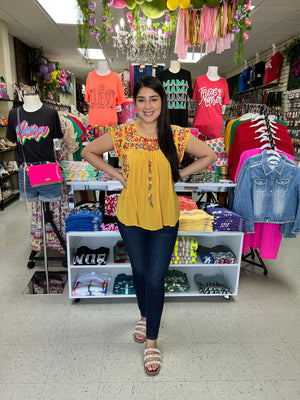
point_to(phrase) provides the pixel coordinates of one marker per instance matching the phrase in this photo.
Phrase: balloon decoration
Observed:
(184, 3)
(47, 70)
(212, 3)
(130, 4)
(197, 3)
(119, 3)
(155, 9)
(172, 4)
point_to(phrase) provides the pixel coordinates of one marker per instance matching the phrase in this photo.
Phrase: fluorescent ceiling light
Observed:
(93, 54)
(192, 57)
(61, 11)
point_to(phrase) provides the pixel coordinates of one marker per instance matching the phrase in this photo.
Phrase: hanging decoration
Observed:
(240, 26)
(208, 28)
(224, 19)
(87, 24)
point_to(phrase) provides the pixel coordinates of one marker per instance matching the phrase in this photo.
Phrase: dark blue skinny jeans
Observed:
(150, 254)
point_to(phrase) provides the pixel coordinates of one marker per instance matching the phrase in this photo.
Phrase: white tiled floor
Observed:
(247, 348)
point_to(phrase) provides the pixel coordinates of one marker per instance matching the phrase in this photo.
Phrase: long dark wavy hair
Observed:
(164, 131)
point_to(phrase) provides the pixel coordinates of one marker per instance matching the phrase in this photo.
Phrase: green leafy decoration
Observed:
(290, 51)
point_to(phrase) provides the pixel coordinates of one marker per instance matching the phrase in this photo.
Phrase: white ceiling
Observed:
(273, 21)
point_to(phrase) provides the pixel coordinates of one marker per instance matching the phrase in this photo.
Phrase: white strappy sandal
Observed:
(141, 324)
(156, 360)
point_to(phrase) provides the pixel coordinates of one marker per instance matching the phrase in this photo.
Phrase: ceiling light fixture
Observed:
(92, 54)
(61, 12)
(143, 47)
(192, 57)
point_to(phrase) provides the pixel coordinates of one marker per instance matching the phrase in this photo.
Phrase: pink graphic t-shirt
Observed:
(210, 97)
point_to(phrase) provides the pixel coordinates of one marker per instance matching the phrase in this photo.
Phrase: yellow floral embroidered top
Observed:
(149, 201)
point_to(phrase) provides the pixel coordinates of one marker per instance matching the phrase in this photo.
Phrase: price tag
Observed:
(57, 145)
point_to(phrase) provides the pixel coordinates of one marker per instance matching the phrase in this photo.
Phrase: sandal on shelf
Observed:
(156, 359)
(138, 329)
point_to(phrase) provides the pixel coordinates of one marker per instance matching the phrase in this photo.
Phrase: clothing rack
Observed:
(261, 109)
(57, 106)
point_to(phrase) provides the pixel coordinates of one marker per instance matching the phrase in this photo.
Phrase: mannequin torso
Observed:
(103, 68)
(32, 102)
(212, 73)
(174, 66)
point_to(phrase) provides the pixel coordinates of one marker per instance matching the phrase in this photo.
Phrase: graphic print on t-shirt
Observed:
(176, 91)
(31, 132)
(209, 96)
(102, 98)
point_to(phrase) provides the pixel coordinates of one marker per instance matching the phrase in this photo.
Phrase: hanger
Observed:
(248, 116)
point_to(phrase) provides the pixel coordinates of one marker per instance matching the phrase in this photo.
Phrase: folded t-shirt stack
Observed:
(219, 254)
(123, 284)
(86, 256)
(120, 253)
(187, 203)
(195, 220)
(85, 217)
(215, 284)
(78, 171)
(91, 284)
(110, 204)
(226, 220)
(176, 281)
(185, 250)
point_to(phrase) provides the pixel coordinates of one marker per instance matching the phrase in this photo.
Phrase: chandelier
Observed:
(146, 46)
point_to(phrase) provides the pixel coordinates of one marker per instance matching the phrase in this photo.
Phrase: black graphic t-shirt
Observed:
(257, 74)
(177, 87)
(36, 133)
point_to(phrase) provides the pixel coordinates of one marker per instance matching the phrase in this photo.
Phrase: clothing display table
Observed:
(221, 186)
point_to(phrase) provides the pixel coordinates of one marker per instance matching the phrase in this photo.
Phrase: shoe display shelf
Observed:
(7, 154)
(93, 240)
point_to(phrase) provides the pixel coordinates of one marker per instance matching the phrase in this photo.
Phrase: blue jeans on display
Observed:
(150, 254)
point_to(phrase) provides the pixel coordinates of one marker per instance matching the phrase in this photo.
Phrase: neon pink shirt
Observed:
(210, 97)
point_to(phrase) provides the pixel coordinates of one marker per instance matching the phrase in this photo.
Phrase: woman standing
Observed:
(149, 151)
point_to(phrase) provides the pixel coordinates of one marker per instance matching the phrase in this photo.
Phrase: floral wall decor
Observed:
(50, 77)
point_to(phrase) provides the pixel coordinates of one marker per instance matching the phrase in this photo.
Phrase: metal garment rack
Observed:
(262, 109)
(47, 217)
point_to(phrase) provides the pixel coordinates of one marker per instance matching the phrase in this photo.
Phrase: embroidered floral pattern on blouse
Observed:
(150, 199)
(181, 136)
(150, 183)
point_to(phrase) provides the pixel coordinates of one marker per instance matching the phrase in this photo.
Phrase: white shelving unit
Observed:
(93, 240)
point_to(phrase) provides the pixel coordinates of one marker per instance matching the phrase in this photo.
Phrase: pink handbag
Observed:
(44, 174)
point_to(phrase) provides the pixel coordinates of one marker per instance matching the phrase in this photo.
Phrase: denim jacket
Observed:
(269, 191)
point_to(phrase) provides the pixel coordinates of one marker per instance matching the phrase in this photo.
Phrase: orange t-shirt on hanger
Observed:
(104, 93)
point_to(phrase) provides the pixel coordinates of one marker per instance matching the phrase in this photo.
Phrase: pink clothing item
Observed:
(181, 44)
(210, 36)
(252, 152)
(210, 97)
(131, 73)
(266, 238)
